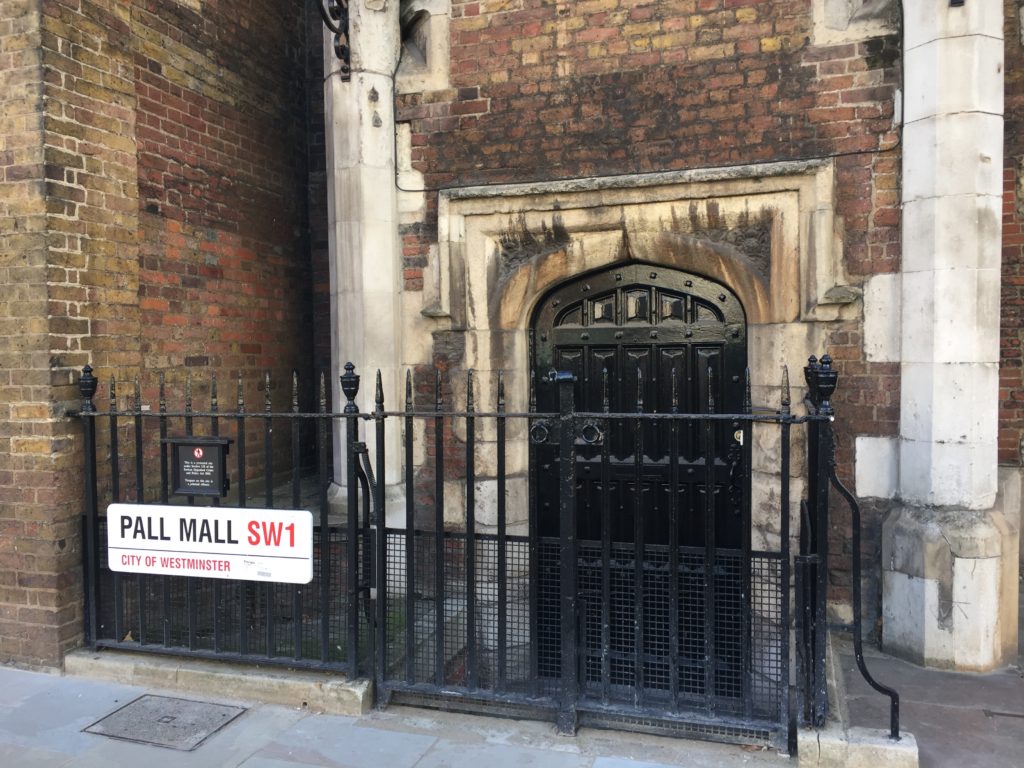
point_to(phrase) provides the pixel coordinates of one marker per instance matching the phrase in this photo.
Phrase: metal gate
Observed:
(663, 561)
(672, 623)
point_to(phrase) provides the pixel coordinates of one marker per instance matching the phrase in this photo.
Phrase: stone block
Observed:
(952, 231)
(949, 402)
(948, 474)
(922, 23)
(953, 75)
(882, 318)
(877, 466)
(957, 154)
(945, 586)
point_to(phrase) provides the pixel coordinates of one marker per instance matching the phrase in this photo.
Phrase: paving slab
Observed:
(959, 719)
(331, 741)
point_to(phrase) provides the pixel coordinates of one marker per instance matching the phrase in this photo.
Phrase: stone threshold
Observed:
(321, 692)
(839, 745)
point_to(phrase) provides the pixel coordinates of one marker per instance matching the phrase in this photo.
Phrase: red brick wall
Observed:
(153, 162)
(224, 266)
(1011, 367)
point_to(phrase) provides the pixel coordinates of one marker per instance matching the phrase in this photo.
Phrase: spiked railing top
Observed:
(786, 397)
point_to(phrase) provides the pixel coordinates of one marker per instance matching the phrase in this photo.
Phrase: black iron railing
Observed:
(635, 596)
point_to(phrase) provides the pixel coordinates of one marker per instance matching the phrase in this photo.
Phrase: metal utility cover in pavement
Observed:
(166, 721)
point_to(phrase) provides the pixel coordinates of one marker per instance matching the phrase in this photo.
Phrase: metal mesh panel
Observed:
(514, 642)
(279, 623)
(729, 612)
(767, 634)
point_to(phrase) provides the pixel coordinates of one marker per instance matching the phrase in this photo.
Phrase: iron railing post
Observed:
(567, 719)
(350, 387)
(821, 382)
(381, 545)
(87, 384)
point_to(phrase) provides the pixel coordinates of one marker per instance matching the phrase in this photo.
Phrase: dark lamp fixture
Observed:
(335, 16)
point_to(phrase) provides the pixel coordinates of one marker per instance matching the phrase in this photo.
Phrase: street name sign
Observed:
(215, 542)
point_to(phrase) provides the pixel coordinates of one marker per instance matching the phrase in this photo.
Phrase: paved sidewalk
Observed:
(42, 717)
(960, 720)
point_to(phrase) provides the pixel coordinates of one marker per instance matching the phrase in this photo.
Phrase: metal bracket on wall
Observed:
(335, 16)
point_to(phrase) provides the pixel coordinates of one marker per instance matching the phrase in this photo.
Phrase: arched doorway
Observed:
(662, 566)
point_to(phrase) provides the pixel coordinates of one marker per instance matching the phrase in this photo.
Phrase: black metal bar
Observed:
(785, 699)
(296, 504)
(191, 584)
(710, 567)
(324, 540)
(472, 662)
(268, 445)
(140, 492)
(165, 586)
(566, 721)
(115, 468)
(217, 588)
(115, 496)
(410, 538)
(87, 385)
(439, 591)
(240, 434)
(821, 380)
(350, 387)
(606, 546)
(638, 547)
(502, 541)
(140, 498)
(858, 640)
(381, 542)
(244, 587)
(742, 490)
(270, 644)
(533, 532)
(673, 546)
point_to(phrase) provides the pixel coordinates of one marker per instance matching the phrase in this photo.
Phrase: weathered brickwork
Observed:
(1011, 366)
(153, 168)
(548, 90)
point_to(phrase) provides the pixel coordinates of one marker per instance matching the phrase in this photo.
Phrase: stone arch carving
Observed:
(514, 298)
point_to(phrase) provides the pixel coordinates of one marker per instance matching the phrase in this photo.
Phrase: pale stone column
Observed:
(365, 258)
(947, 568)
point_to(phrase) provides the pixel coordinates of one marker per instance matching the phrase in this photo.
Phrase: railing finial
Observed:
(87, 384)
(821, 382)
(350, 386)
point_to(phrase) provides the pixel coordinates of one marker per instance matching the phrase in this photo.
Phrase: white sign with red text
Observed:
(216, 542)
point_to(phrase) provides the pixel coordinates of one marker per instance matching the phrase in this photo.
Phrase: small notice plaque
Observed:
(199, 465)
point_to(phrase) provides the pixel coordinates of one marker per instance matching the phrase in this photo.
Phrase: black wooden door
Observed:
(645, 339)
